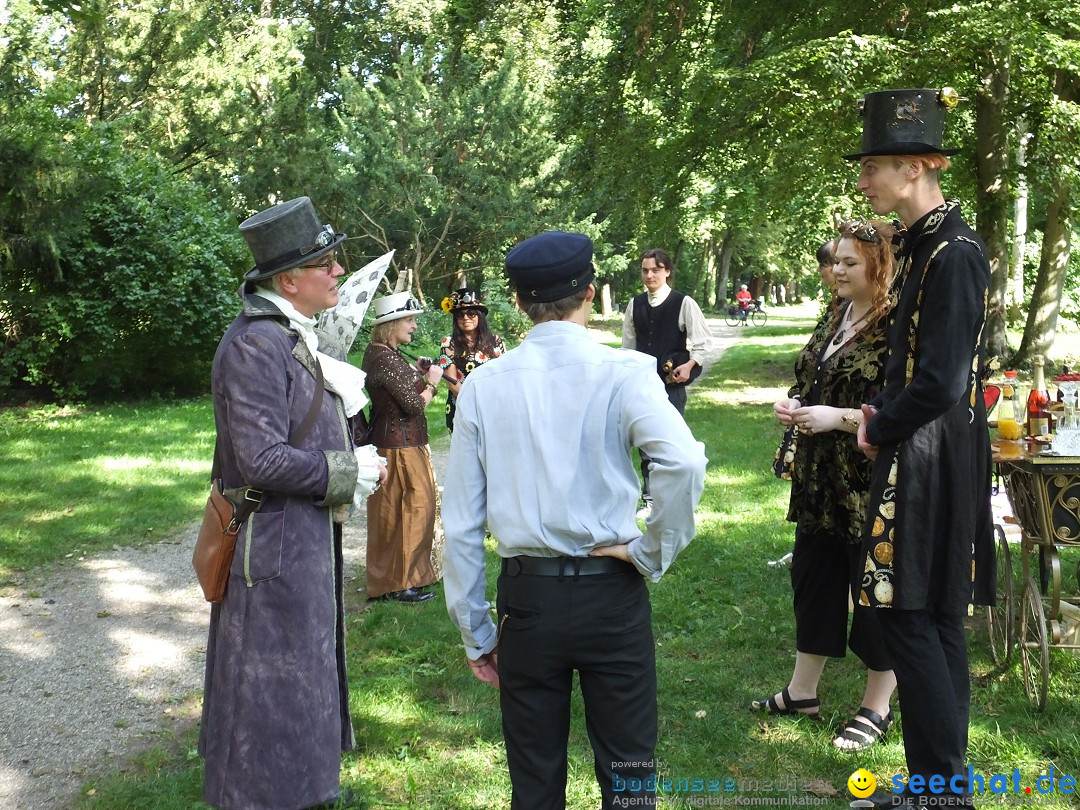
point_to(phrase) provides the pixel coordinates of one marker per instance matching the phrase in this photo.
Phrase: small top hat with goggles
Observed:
(395, 306)
(286, 236)
(905, 122)
(465, 298)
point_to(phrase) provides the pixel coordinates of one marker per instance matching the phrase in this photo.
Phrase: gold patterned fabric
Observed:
(928, 539)
(831, 476)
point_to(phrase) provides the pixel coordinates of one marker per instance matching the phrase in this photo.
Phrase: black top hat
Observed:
(286, 236)
(465, 298)
(551, 266)
(905, 122)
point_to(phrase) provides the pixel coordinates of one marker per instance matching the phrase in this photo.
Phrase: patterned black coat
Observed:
(275, 705)
(929, 536)
(830, 482)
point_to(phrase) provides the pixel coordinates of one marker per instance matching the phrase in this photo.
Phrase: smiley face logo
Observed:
(861, 783)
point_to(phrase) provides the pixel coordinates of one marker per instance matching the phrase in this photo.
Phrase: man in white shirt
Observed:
(668, 325)
(550, 424)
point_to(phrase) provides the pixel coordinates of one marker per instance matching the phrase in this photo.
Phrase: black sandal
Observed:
(865, 729)
(791, 707)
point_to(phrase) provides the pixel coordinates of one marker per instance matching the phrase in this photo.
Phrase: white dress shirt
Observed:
(541, 456)
(691, 322)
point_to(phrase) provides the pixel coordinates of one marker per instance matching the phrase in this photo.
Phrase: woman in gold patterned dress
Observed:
(401, 514)
(840, 368)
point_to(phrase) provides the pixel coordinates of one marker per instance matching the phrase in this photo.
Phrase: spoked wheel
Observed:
(759, 316)
(731, 319)
(1034, 645)
(1001, 618)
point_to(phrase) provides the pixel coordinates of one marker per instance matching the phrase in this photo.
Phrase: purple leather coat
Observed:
(275, 706)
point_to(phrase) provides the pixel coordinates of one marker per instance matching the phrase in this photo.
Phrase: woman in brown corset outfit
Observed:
(401, 514)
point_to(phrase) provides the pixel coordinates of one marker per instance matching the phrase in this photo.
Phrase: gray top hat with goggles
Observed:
(905, 122)
(286, 236)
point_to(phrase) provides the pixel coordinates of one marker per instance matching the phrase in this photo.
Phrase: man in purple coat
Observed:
(275, 707)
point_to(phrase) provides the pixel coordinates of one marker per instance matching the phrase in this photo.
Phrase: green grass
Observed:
(78, 479)
(75, 480)
(429, 734)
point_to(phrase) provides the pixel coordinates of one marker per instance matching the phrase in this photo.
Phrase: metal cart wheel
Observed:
(1001, 618)
(1034, 647)
(759, 316)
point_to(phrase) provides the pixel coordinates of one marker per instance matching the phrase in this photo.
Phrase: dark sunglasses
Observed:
(467, 313)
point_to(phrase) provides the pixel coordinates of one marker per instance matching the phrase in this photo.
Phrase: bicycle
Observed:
(755, 313)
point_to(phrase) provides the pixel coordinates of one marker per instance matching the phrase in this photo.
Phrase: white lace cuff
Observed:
(368, 463)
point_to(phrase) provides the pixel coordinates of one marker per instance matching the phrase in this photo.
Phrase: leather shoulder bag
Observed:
(222, 519)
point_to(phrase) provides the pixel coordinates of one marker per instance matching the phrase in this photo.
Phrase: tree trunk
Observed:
(992, 202)
(720, 296)
(1056, 250)
(1046, 297)
(605, 301)
(708, 282)
(1015, 295)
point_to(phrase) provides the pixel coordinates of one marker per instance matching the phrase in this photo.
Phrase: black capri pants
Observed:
(824, 568)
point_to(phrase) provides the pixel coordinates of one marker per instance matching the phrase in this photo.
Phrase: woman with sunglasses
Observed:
(840, 368)
(469, 345)
(401, 515)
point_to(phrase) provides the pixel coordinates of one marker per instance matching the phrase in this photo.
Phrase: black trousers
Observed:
(600, 626)
(676, 395)
(823, 570)
(929, 657)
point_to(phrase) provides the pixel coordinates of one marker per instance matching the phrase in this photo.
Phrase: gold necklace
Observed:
(846, 325)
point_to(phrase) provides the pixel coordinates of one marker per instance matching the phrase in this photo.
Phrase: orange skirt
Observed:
(401, 524)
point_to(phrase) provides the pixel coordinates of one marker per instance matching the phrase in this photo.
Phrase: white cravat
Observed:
(660, 296)
(345, 380)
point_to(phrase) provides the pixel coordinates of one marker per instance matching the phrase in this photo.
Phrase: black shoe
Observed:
(411, 595)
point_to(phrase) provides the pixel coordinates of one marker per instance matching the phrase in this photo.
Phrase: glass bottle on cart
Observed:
(1008, 424)
(1039, 421)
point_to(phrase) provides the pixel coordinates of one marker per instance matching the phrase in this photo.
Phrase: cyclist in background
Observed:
(744, 300)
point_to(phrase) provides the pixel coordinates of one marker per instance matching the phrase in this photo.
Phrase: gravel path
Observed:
(103, 657)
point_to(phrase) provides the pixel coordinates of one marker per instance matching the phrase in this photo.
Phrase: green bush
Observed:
(140, 285)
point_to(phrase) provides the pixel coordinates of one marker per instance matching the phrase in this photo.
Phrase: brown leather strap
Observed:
(253, 497)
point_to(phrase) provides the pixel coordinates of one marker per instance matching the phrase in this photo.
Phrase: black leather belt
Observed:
(563, 566)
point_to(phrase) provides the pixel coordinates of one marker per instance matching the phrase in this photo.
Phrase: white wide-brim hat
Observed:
(395, 306)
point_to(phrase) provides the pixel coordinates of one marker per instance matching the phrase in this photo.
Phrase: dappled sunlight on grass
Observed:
(65, 471)
(784, 341)
(744, 394)
(429, 735)
(397, 707)
(728, 475)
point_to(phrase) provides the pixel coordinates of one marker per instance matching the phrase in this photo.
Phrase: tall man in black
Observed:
(928, 543)
(668, 325)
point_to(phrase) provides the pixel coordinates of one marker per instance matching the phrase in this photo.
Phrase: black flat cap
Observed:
(551, 266)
